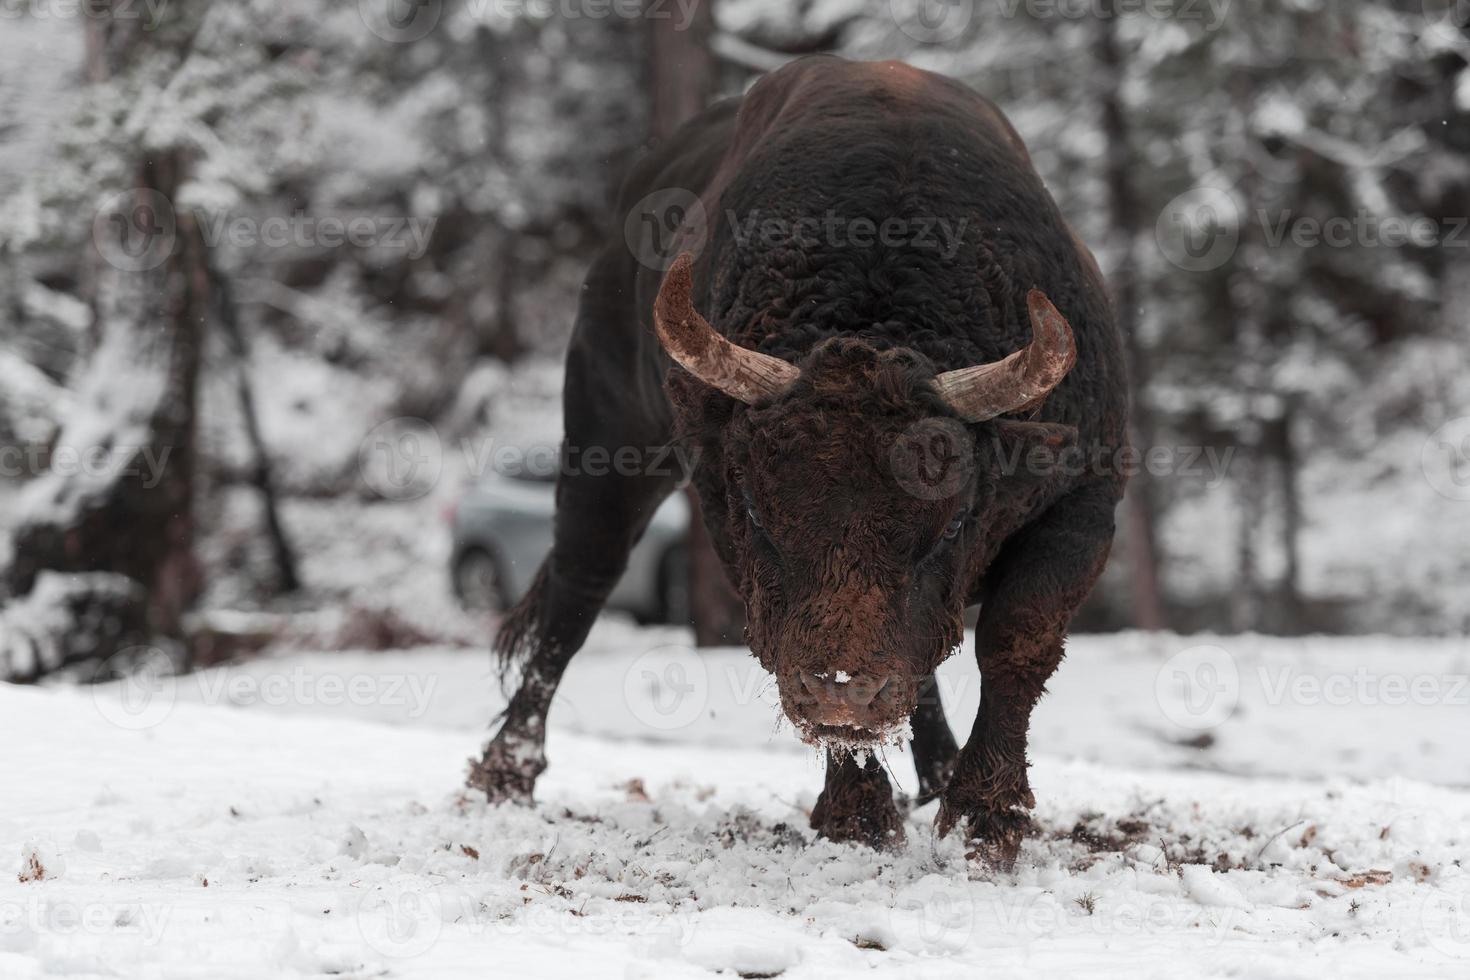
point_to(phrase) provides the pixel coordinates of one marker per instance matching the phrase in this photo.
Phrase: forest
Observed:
(241, 243)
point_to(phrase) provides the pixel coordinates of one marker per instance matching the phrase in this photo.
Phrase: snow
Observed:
(303, 815)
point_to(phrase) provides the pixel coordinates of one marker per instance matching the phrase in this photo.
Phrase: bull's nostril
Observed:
(810, 684)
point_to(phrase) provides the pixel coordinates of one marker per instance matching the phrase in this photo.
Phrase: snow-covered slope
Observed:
(302, 816)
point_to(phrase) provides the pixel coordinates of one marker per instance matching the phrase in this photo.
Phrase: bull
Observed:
(877, 422)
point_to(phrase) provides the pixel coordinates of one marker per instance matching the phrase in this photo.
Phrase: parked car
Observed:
(502, 530)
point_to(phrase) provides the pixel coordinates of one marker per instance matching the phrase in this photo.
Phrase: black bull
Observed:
(873, 250)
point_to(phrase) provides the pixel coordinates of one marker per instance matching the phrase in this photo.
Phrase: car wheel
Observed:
(478, 581)
(675, 603)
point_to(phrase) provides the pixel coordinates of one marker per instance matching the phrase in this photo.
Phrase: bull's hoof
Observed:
(866, 819)
(508, 772)
(992, 837)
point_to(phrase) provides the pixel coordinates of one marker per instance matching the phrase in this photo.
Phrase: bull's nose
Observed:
(841, 699)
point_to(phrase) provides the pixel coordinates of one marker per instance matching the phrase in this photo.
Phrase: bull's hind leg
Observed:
(604, 501)
(1031, 593)
(856, 804)
(598, 520)
(933, 743)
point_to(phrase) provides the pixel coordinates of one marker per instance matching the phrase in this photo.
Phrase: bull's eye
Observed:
(953, 528)
(755, 520)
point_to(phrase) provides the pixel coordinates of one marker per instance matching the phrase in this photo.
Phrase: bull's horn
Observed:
(689, 339)
(1025, 377)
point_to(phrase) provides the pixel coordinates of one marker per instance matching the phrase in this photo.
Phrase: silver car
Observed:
(502, 530)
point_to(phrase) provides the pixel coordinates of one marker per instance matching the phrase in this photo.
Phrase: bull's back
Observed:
(830, 144)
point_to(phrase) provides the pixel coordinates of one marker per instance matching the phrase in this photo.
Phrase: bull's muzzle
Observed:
(854, 703)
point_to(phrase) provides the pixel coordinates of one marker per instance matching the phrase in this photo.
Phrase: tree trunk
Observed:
(681, 67)
(118, 494)
(284, 556)
(1281, 448)
(681, 81)
(1141, 507)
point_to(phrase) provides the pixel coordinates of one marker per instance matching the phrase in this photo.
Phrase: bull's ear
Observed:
(1031, 450)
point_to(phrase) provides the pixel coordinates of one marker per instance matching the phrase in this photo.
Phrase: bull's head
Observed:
(857, 492)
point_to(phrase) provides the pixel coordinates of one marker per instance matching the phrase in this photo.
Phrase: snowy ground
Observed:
(1298, 808)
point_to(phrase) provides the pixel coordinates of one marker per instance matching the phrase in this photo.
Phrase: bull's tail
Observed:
(523, 629)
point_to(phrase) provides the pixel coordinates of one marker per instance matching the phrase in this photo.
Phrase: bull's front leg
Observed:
(857, 805)
(1032, 590)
